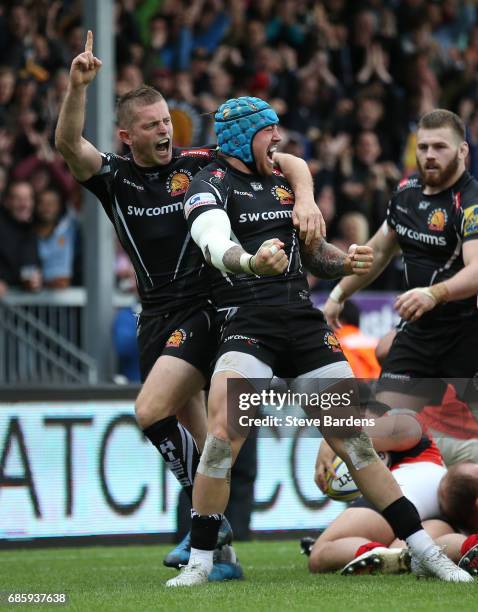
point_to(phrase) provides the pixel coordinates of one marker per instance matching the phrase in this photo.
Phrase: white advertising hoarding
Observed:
(84, 468)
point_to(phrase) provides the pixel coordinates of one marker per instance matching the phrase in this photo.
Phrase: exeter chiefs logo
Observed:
(332, 343)
(437, 220)
(178, 182)
(176, 338)
(283, 194)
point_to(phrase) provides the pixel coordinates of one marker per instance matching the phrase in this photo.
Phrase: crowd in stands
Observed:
(348, 78)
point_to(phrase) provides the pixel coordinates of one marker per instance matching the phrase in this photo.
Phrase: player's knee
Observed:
(150, 408)
(216, 458)
(317, 558)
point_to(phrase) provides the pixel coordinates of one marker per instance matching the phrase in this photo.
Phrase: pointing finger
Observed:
(89, 42)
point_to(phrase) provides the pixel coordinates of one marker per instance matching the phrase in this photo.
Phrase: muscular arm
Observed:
(385, 246)
(83, 159)
(325, 260)
(306, 215)
(464, 283)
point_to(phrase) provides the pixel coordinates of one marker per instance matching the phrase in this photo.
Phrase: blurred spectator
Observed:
(19, 259)
(364, 184)
(7, 89)
(59, 241)
(333, 69)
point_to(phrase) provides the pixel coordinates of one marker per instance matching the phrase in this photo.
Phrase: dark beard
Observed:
(442, 177)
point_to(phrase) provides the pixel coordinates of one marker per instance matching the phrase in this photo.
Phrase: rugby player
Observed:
(271, 325)
(142, 195)
(433, 220)
(452, 424)
(360, 541)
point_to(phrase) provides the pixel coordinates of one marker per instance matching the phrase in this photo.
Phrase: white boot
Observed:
(434, 563)
(190, 575)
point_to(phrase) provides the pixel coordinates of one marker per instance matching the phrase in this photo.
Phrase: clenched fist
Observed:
(270, 259)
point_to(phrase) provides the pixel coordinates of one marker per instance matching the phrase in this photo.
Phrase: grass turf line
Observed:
(132, 578)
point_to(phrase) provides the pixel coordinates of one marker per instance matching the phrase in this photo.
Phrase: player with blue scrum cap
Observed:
(239, 212)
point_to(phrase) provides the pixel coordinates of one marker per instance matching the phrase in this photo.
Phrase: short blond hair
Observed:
(144, 95)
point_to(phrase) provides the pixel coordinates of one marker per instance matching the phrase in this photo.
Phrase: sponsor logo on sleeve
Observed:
(470, 227)
(197, 200)
(437, 220)
(197, 153)
(218, 173)
(407, 184)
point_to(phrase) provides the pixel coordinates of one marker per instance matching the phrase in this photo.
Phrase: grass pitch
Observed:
(132, 578)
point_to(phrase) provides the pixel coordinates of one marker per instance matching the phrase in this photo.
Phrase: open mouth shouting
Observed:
(270, 152)
(162, 146)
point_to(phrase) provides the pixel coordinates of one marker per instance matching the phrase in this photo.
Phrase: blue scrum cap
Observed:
(236, 123)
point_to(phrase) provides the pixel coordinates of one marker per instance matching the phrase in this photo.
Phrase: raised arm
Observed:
(83, 159)
(385, 245)
(306, 215)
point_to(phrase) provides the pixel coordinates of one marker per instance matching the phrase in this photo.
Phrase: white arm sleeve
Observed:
(212, 229)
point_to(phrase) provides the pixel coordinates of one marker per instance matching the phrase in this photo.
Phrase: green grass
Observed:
(132, 578)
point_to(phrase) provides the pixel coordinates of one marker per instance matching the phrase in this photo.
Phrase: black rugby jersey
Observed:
(145, 206)
(431, 230)
(259, 208)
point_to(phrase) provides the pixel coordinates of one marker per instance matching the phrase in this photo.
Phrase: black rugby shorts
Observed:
(423, 358)
(188, 334)
(292, 339)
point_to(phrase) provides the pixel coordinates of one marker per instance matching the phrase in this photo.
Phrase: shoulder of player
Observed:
(467, 195)
(116, 159)
(408, 185)
(215, 173)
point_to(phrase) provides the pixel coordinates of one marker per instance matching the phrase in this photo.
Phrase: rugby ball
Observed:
(342, 486)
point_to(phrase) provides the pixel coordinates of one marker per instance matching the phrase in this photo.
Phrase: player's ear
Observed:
(124, 136)
(463, 151)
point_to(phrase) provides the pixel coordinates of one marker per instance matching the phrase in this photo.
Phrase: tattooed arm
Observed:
(327, 261)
